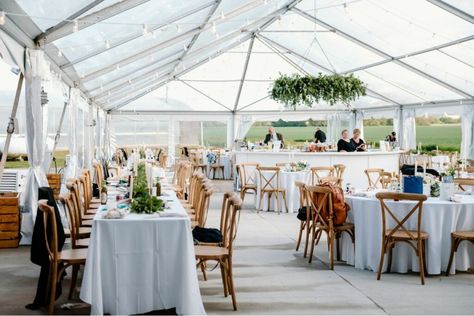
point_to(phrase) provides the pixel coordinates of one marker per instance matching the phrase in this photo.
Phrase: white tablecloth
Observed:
(142, 263)
(287, 182)
(440, 218)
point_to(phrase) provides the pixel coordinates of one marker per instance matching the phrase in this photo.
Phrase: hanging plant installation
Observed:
(294, 90)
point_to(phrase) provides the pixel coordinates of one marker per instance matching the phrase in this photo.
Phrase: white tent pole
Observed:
(244, 73)
(58, 131)
(202, 134)
(11, 125)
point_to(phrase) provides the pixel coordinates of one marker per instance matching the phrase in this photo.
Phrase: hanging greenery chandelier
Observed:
(294, 90)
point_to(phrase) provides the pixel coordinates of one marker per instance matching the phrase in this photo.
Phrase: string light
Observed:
(60, 53)
(145, 29)
(2, 18)
(75, 26)
(153, 34)
(178, 28)
(222, 15)
(101, 87)
(185, 48)
(107, 44)
(213, 28)
(117, 67)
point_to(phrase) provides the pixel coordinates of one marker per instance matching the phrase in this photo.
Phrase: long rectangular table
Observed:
(142, 263)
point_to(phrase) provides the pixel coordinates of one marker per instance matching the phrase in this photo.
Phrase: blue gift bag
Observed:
(413, 184)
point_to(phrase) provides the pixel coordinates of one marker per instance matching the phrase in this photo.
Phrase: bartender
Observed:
(345, 144)
(273, 136)
(319, 136)
(358, 142)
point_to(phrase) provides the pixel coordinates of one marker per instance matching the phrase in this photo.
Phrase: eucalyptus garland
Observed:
(294, 90)
(142, 201)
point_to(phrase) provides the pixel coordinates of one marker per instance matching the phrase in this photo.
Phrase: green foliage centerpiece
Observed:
(294, 90)
(142, 201)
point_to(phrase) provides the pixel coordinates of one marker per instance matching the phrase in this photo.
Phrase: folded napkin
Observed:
(173, 214)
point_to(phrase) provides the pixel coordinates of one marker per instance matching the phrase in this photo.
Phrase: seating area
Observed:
(231, 157)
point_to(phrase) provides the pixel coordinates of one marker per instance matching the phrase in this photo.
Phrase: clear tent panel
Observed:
(463, 5)
(139, 130)
(404, 86)
(40, 11)
(97, 38)
(446, 68)
(135, 69)
(395, 27)
(463, 52)
(319, 44)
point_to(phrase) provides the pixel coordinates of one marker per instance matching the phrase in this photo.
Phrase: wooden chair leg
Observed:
(284, 200)
(331, 249)
(277, 197)
(306, 243)
(231, 284)
(300, 233)
(382, 256)
(224, 278)
(269, 195)
(338, 250)
(389, 262)
(260, 202)
(421, 261)
(203, 269)
(451, 255)
(313, 237)
(72, 288)
(52, 295)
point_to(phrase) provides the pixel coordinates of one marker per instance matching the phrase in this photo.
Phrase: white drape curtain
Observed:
(12, 53)
(109, 145)
(408, 137)
(467, 132)
(173, 129)
(88, 137)
(37, 70)
(72, 169)
(398, 125)
(335, 126)
(245, 122)
(357, 121)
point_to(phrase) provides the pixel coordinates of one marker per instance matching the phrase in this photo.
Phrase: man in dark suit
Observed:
(319, 136)
(273, 136)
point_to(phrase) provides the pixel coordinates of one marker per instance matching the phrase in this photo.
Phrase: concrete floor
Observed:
(272, 278)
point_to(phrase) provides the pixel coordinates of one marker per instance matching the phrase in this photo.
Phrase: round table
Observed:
(287, 182)
(440, 218)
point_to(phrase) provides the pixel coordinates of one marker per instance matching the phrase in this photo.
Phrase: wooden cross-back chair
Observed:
(339, 170)
(248, 178)
(373, 177)
(86, 213)
(80, 222)
(198, 163)
(69, 257)
(320, 200)
(223, 254)
(456, 238)
(74, 229)
(305, 222)
(202, 208)
(385, 178)
(400, 233)
(90, 202)
(270, 185)
(463, 183)
(317, 173)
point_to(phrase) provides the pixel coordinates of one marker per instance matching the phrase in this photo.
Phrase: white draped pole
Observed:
(230, 131)
(398, 125)
(36, 69)
(467, 132)
(72, 164)
(409, 129)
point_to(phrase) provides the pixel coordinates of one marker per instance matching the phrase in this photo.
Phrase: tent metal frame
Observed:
(457, 12)
(383, 54)
(244, 74)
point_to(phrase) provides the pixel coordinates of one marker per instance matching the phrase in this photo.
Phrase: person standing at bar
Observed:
(319, 136)
(345, 144)
(358, 142)
(273, 136)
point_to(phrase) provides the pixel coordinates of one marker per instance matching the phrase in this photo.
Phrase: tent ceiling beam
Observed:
(252, 103)
(451, 9)
(373, 93)
(423, 51)
(160, 46)
(177, 113)
(137, 35)
(382, 53)
(54, 34)
(74, 16)
(204, 94)
(203, 25)
(432, 104)
(244, 73)
(255, 24)
(169, 77)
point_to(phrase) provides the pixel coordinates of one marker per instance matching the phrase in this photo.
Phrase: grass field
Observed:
(443, 135)
(17, 164)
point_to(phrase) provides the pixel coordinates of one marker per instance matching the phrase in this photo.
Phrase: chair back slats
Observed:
(320, 202)
(339, 170)
(301, 190)
(49, 222)
(68, 204)
(332, 180)
(462, 183)
(231, 222)
(247, 173)
(373, 176)
(317, 173)
(400, 223)
(267, 176)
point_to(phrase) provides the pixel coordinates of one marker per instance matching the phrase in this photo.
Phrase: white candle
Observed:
(416, 166)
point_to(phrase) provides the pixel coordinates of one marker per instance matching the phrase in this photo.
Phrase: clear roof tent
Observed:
(222, 55)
